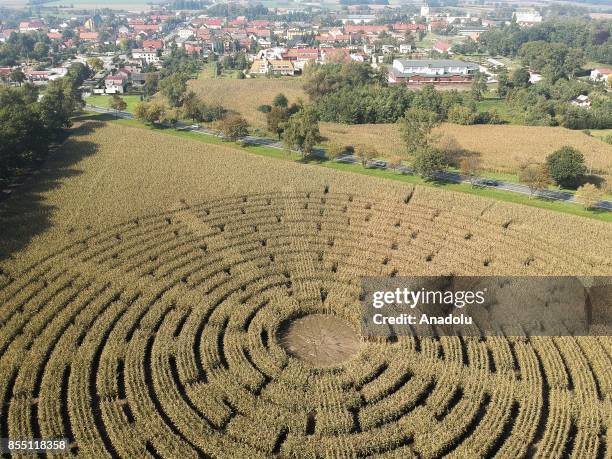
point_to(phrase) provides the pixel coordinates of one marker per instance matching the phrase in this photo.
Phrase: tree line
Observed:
(561, 40)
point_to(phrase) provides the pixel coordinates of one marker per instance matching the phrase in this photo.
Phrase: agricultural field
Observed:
(244, 96)
(156, 300)
(104, 101)
(502, 148)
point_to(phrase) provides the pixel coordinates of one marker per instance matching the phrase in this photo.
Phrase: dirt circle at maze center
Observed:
(320, 339)
(160, 337)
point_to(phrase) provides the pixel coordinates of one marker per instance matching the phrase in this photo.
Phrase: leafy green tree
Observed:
(95, 63)
(276, 120)
(23, 134)
(479, 86)
(427, 163)
(192, 105)
(17, 76)
(59, 102)
(566, 166)
(503, 83)
(520, 78)
(151, 84)
(78, 73)
(149, 112)
(416, 130)
(174, 87)
(234, 127)
(41, 50)
(117, 104)
(302, 130)
(280, 101)
(461, 114)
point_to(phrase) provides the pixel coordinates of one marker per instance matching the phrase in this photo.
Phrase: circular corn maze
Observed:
(190, 334)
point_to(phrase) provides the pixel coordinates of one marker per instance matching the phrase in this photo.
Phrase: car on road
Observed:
(487, 182)
(349, 159)
(377, 164)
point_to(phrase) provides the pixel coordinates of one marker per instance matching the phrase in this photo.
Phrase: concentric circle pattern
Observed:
(160, 338)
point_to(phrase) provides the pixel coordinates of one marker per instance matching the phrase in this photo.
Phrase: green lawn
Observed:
(104, 101)
(492, 102)
(558, 206)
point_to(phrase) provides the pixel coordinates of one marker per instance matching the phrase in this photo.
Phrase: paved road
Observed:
(351, 159)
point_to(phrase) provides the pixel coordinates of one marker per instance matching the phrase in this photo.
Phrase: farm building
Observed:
(431, 71)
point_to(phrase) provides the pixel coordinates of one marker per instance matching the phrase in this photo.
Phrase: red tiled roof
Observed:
(88, 35)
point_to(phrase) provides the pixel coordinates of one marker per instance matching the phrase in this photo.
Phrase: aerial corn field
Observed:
(167, 298)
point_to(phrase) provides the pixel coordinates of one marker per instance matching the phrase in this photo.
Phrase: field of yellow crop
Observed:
(502, 148)
(146, 282)
(244, 96)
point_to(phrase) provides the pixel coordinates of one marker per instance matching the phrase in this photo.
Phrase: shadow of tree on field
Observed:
(24, 214)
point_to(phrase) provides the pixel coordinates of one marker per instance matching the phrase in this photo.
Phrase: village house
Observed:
(88, 36)
(153, 44)
(31, 26)
(436, 71)
(581, 101)
(149, 55)
(601, 74)
(442, 47)
(276, 67)
(115, 84)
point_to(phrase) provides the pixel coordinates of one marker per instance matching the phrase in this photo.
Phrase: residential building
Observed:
(527, 17)
(431, 71)
(442, 47)
(88, 36)
(601, 74)
(277, 67)
(149, 55)
(581, 101)
(115, 84)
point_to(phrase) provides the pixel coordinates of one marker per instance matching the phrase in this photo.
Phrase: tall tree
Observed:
(174, 87)
(302, 130)
(276, 120)
(416, 130)
(566, 166)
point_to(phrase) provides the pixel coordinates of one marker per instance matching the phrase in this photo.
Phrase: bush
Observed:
(459, 114)
(428, 162)
(566, 166)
